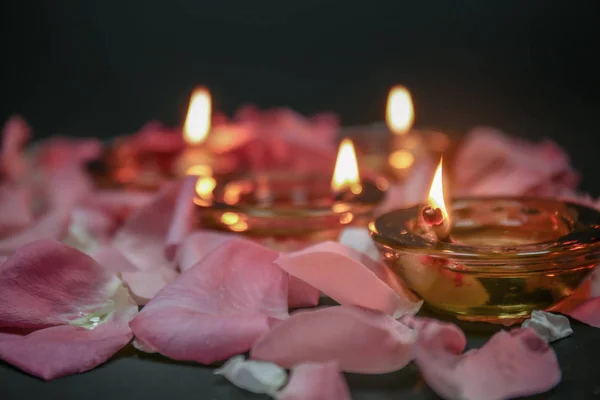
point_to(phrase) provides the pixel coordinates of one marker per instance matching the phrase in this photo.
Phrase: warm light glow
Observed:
(401, 159)
(200, 170)
(205, 186)
(345, 174)
(230, 218)
(400, 114)
(197, 122)
(241, 226)
(436, 193)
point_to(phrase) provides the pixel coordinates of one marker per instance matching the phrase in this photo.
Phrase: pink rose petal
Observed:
(113, 260)
(60, 152)
(200, 244)
(15, 211)
(312, 381)
(492, 163)
(142, 238)
(68, 186)
(183, 217)
(60, 312)
(120, 203)
(511, 364)
(51, 226)
(365, 283)
(588, 312)
(220, 306)
(360, 340)
(13, 166)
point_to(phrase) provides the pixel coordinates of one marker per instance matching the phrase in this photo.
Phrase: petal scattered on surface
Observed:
(183, 220)
(143, 236)
(220, 306)
(360, 340)
(52, 226)
(301, 294)
(510, 364)
(314, 381)
(13, 165)
(255, 376)
(68, 186)
(200, 244)
(60, 312)
(548, 326)
(15, 211)
(366, 283)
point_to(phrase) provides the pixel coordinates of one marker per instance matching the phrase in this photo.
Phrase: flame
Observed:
(400, 114)
(436, 193)
(345, 174)
(205, 186)
(197, 122)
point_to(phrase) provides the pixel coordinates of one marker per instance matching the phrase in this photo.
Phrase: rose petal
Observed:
(15, 211)
(312, 381)
(51, 226)
(60, 312)
(183, 217)
(360, 340)
(200, 244)
(68, 186)
(588, 312)
(144, 286)
(113, 260)
(142, 238)
(60, 152)
(548, 326)
(511, 364)
(366, 283)
(255, 376)
(360, 240)
(16, 132)
(119, 203)
(220, 306)
(301, 294)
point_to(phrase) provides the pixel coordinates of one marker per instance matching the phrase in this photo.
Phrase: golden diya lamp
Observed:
(394, 148)
(200, 148)
(490, 259)
(290, 209)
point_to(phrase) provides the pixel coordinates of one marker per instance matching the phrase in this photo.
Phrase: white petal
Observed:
(255, 376)
(360, 240)
(549, 326)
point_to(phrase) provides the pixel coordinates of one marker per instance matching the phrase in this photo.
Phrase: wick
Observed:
(434, 218)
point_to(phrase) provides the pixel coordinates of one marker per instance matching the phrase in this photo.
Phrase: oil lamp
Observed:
(395, 147)
(197, 153)
(490, 259)
(288, 210)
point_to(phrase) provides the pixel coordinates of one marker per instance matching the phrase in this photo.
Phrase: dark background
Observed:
(106, 67)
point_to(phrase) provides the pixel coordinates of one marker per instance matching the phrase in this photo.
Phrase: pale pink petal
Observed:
(60, 312)
(301, 294)
(220, 306)
(313, 381)
(95, 222)
(183, 220)
(120, 203)
(13, 165)
(155, 137)
(200, 244)
(365, 282)
(491, 163)
(67, 186)
(51, 226)
(60, 152)
(511, 364)
(360, 340)
(142, 237)
(113, 260)
(588, 312)
(144, 286)
(15, 211)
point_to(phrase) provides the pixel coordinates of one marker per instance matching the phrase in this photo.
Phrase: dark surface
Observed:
(133, 375)
(106, 67)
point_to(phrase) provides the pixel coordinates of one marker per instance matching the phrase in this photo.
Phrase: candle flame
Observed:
(436, 193)
(205, 186)
(197, 122)
(345, 174)
(400, 114)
